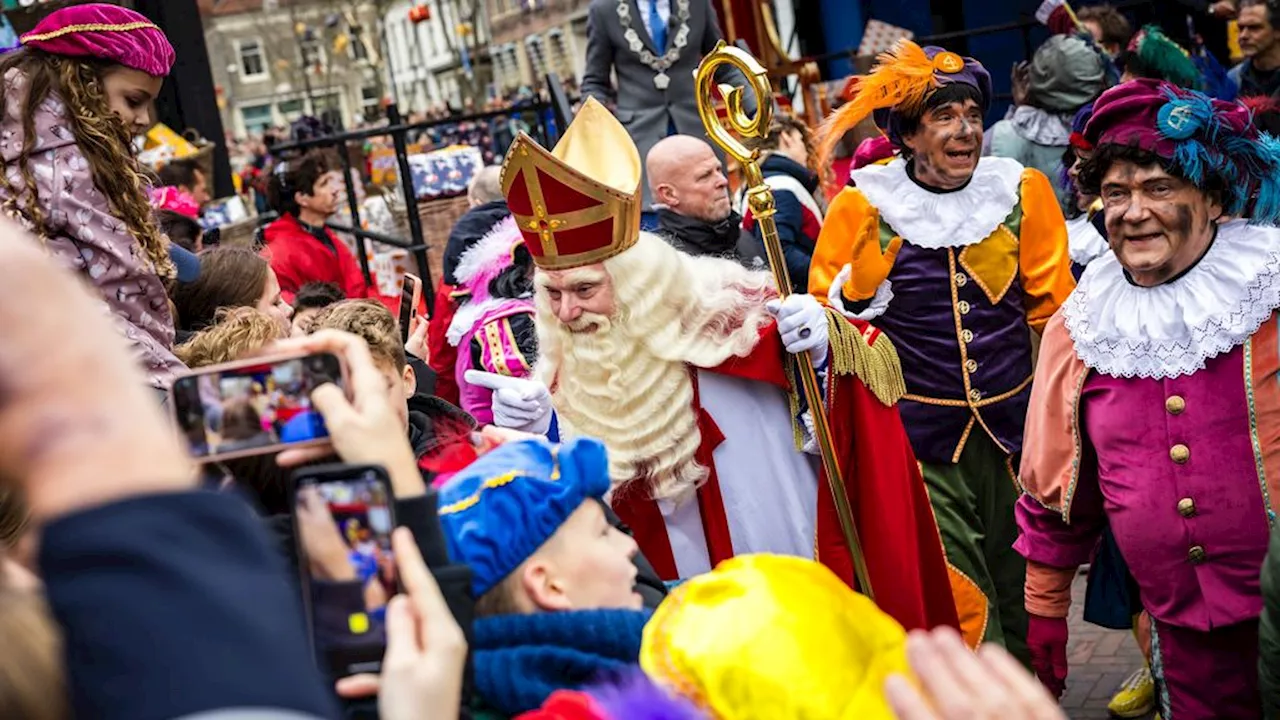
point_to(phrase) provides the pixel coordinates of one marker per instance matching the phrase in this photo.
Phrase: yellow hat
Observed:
(766, 637)
(580, 203)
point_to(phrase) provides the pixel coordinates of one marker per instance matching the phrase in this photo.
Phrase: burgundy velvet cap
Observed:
(1139, 113)
(106, 32)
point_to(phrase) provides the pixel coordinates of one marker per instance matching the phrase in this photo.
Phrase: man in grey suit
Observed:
(655, 47)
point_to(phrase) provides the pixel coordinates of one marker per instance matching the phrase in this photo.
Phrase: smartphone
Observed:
(343, 516)
(410, 297)
(254, 407)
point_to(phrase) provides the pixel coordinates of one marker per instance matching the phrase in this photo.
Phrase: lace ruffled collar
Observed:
(1123, 330)
(1041, 126)
(1084, 243)
(940, 220)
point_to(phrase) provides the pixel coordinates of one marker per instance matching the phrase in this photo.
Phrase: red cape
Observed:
(882, 480)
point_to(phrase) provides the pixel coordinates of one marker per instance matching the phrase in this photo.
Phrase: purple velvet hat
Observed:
(970, 72)
(106, 32)
(1157, 116)
(1199, 137)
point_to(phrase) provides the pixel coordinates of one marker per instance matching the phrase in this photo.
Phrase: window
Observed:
(290, 110)
(427, 31)
(370, 98)
(311, 52)
(257, 118)
(253, 62)
(359, 51)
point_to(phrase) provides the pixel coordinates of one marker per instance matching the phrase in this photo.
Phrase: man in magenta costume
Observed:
(1156, 406)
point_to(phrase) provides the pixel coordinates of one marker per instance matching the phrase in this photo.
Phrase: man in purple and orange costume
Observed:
(961, 261)
(1156, 406)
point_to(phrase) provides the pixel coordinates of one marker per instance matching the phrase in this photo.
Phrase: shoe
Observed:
(1136, 697)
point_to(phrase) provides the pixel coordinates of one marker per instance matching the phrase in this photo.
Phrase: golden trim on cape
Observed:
(595, 158)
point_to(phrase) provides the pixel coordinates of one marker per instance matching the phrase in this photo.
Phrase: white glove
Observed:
(802, 323)
(518, 404)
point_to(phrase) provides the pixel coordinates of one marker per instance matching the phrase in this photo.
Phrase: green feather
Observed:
(1168, 59)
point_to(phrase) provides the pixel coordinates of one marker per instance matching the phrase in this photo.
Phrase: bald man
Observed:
(691, 196)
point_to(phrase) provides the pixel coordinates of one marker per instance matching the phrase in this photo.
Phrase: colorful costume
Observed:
(579, 205)
(496, 513)
(1155, 411)
(494, 334)
(70, 212)
(960, 281)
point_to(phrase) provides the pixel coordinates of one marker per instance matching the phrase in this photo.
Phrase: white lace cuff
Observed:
(879, 302)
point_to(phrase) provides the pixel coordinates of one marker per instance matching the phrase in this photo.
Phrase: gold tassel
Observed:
(876, 365)
(793, 397)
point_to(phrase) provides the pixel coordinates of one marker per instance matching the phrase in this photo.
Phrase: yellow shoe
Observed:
(1136, 697)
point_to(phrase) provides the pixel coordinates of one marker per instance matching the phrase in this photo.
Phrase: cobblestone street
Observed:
(1100, 660)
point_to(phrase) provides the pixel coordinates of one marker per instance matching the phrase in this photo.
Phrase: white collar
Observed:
(939, 220)
(1084, 243)
(1170, 330)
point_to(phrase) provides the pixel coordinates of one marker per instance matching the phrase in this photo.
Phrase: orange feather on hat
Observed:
(902, 78)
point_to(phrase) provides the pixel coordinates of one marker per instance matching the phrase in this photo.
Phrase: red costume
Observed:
(298, 257)
(578, 207)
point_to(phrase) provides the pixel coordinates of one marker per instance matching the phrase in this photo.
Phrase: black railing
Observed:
(399, 132)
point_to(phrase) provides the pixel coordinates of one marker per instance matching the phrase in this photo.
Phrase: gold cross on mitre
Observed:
(579, 203)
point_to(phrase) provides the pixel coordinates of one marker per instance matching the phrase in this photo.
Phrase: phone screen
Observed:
(408, 298)
(343, 526)
(254, 407)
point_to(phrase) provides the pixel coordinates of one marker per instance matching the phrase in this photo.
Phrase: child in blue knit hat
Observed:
(554, 581)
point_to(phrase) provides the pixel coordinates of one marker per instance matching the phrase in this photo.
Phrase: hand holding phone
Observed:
(343, 516)
(426, 650)
(364, 429)
(410, 298)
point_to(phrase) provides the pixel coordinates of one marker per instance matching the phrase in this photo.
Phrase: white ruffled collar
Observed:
(1084, 243)
(1170, 330)
(939, 220)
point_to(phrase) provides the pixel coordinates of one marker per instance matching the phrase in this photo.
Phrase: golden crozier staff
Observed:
(760, 199)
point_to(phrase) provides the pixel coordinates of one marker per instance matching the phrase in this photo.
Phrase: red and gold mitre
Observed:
(580, 203)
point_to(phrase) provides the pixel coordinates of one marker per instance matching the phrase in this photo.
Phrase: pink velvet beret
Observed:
(1157, 116)
(106, 32)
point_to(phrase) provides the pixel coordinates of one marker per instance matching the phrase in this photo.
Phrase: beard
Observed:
(610, 386)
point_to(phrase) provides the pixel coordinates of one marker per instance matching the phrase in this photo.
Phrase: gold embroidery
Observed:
(471, 500)
(88, 27)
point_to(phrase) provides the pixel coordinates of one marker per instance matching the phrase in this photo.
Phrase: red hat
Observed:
(106, 32)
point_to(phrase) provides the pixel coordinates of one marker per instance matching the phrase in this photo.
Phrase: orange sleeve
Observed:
(851, 230)
(1048, 590)
(1043, 260)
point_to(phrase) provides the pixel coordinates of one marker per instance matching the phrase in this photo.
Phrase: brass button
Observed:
(967, 336)
(1187, 507)
(975, 395)
(1175, 404)
(961, 279)
(964, 307)
(1180, 453)
(971, 365)
(1196, 555)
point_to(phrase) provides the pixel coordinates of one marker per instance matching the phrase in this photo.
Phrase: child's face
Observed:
(401, 386)
(131, 94)
(587, 565)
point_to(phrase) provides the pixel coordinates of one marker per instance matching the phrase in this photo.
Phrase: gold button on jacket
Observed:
(971, 366)
(964, 307)
(1187, 507)
(1180, 453)
(961, 279)
(975, 395)
(1175, 404)
(967, 335)
(1196, 555)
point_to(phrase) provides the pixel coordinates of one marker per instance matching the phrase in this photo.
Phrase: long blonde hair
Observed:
(100, 135)
(32, 683)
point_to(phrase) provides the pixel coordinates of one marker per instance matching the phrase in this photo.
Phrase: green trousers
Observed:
(973, 502)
